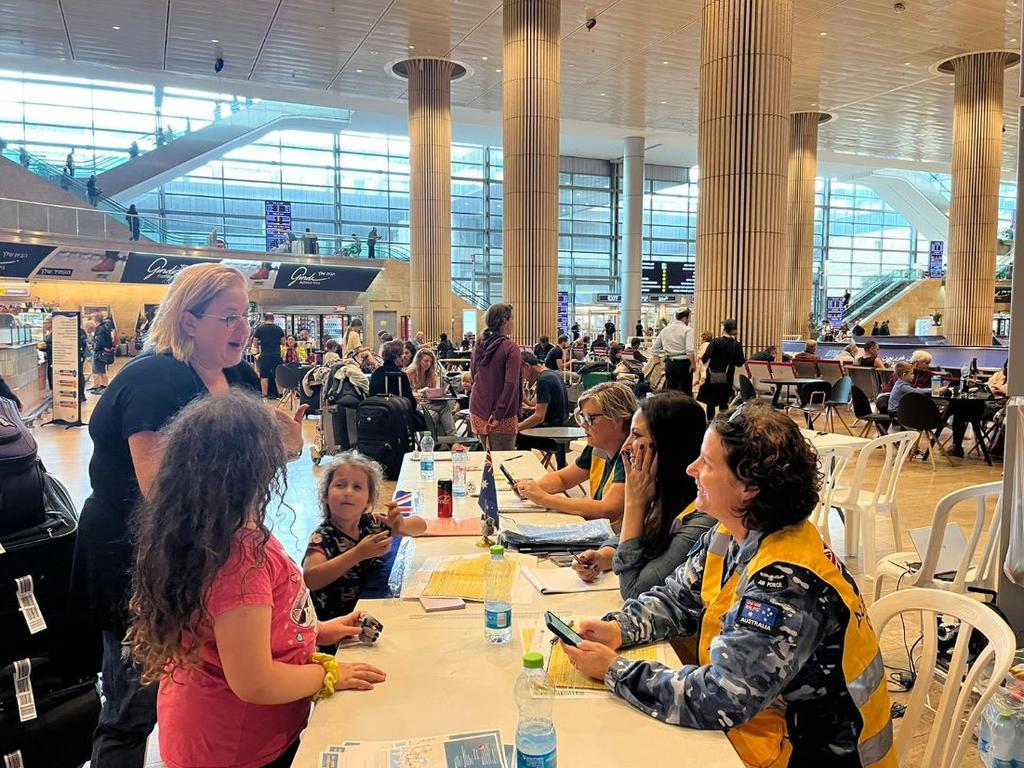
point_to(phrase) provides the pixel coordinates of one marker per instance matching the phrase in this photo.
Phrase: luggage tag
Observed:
(23, 690)
(29, 605)
(13, 760)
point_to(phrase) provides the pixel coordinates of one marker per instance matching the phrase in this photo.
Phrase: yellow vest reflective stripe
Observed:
(763, 741)
(599, 484)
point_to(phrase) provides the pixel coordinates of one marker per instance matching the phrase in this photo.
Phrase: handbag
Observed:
(107, 357)
(718, 377)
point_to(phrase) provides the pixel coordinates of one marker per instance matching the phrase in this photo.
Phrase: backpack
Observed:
(21, 474)
(385, 425)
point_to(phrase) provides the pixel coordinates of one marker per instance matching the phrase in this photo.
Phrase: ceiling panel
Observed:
(636, 70)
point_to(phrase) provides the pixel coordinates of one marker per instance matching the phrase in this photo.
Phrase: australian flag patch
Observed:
(758, 614)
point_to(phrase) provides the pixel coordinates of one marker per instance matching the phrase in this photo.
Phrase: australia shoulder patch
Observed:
(761, 615)
(774, 578)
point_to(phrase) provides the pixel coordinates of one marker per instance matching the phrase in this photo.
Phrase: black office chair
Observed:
(862, 410)
(747, 391)
(919, 413)
(812, 401)
(838, 399)
(289, 378)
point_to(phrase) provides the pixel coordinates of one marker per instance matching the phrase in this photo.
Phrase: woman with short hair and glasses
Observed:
(194, 347)
(788, 664)
(605, 412)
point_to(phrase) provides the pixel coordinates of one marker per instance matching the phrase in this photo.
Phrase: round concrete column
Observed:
(631, 246)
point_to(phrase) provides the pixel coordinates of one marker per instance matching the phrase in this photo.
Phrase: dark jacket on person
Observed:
(445, 348)
(397, 382)
(496, 366)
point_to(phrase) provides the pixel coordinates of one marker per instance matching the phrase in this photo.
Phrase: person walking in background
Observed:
(132, 217)
(846, 298)
(874, 328)
(609, 331)
(133, 150)
(676, 346)
(575, 330)
(639, 330)
(496, 365)
(23, 157)
(92, 191)
(444, 347)
(722, 357)
(371, 243)
(69, 163)
(269, 337)
(102, 355)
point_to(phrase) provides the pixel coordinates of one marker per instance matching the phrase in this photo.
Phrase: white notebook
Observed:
(553, 581)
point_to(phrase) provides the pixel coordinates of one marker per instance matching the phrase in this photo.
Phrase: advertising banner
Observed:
(67, 409)
(69, 263)
(21, 259)
(151, 269)
(563, 311)
(936, 250)
(309, 277)
(836, 305)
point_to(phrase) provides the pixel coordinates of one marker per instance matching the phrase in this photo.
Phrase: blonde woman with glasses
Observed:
(194, 348)
(604, 412)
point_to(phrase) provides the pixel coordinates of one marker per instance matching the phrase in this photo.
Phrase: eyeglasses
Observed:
(585, 419)
(230, 321)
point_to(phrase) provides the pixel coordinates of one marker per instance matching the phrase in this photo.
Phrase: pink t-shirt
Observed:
(203, 724)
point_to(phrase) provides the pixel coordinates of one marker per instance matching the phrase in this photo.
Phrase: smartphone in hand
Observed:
(561, 630)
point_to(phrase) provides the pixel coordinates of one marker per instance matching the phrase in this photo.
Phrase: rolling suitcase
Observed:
(384, 428)
(41, 650)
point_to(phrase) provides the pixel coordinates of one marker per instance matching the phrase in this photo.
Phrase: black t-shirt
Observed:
(554, 355)
(551, 390)
(102, 339)
(146, 394)
(269, 335)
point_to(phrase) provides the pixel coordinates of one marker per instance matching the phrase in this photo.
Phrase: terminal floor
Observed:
(66, 453)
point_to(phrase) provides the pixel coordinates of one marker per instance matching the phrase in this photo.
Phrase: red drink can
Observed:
(444, 498)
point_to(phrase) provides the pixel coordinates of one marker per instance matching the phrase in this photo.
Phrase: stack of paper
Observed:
(461, 750)
(588, 533)
(554, 581)
(453, 576)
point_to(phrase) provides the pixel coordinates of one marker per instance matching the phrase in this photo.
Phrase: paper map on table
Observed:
(569, 681)
(483, 749)
(453, 576)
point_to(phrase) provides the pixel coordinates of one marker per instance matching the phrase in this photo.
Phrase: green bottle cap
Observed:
(497, 549)
(533, 660)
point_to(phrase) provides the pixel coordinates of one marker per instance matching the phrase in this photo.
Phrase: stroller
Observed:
(340, 394)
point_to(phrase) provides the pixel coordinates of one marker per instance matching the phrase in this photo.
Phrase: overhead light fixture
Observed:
(498, 69)
(664, 62)
(1013, 39)
(906, 63)
(321, 28)
(412, 47)
(483, 58)
(115, 27)
(814, 103)
(604, 94)
(823, 34)
(359, 71)
(215, 41)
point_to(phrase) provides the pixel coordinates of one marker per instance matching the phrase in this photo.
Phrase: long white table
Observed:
(443, 677)
(823, 441)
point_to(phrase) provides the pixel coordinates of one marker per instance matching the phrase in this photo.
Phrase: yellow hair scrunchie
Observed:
(330, 665)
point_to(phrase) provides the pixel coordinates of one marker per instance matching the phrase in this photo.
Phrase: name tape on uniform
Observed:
(23, 690)
(29, 605)
(13, 760)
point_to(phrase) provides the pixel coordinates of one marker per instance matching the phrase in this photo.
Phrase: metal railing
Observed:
(885, 284)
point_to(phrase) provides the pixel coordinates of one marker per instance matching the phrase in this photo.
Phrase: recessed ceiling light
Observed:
(664, 62)
(412, 47)
(115, 27)
(814, 103)
(359, 71)
(1013, 39)
(321, 28)
(906, 63)
(823, 34)
(604, 94)
(498, 70)
(483, 58)
(215, 41)
(664, 102)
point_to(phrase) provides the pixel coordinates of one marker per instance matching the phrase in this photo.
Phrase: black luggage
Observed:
(38, 527)
(385, 425)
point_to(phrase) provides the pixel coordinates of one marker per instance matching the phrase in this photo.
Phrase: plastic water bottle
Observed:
(936, 387)
(427, 458)
(498, 597)
(1001, 746)
(460, 466)
(536, 743)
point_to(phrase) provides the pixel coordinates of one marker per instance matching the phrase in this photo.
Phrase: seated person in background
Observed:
(292, 351)
(542, 347)
(600, 346)
(220, 616)
(555, 358)
(423, 375)
(551, 408)
(351, 539)
(639, 356)
(921, 361)
(604, 412)
(389, 378)
(849, 353)
(367, 361)
(767, 354)
(904, 383)
(445, 348)
(787, 666)
(997, 383)
(870, 358)
(331, 355)
(661, 522)
(810, 351)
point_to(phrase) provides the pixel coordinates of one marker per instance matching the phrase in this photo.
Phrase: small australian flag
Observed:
(488, 492)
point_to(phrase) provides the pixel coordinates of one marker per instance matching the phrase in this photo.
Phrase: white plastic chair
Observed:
(861, 503)
(972, 572)
(832, 462)
(956, 715)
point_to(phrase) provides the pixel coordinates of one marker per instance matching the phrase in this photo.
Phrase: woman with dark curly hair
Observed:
(220, 615)
(788, 664)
